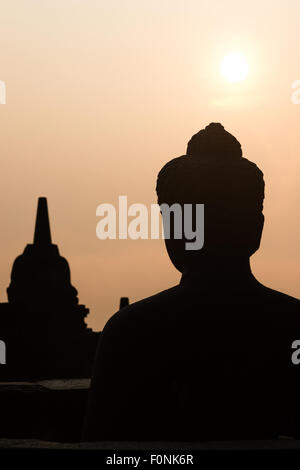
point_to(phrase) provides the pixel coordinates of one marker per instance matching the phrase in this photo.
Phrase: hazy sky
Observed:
(100, 94)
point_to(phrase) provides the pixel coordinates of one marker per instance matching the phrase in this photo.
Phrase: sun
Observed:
(234, 67)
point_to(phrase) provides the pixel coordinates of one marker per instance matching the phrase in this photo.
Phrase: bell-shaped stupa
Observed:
(46, 332)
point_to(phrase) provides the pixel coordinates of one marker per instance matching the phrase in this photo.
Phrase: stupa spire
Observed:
(42, 234)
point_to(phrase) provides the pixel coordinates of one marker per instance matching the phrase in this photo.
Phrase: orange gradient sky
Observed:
(100, 94)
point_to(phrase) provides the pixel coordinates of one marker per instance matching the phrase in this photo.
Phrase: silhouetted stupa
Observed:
(43, 324)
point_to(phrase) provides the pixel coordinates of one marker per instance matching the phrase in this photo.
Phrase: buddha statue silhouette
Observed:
(211, 357)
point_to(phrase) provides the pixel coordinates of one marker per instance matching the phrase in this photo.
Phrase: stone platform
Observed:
(50, 410)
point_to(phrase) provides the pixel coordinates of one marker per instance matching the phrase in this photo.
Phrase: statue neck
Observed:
(223, 271)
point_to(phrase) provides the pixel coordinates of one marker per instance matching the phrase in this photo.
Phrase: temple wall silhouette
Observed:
(42, 324)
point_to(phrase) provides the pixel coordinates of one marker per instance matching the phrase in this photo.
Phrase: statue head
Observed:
(214, 173)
